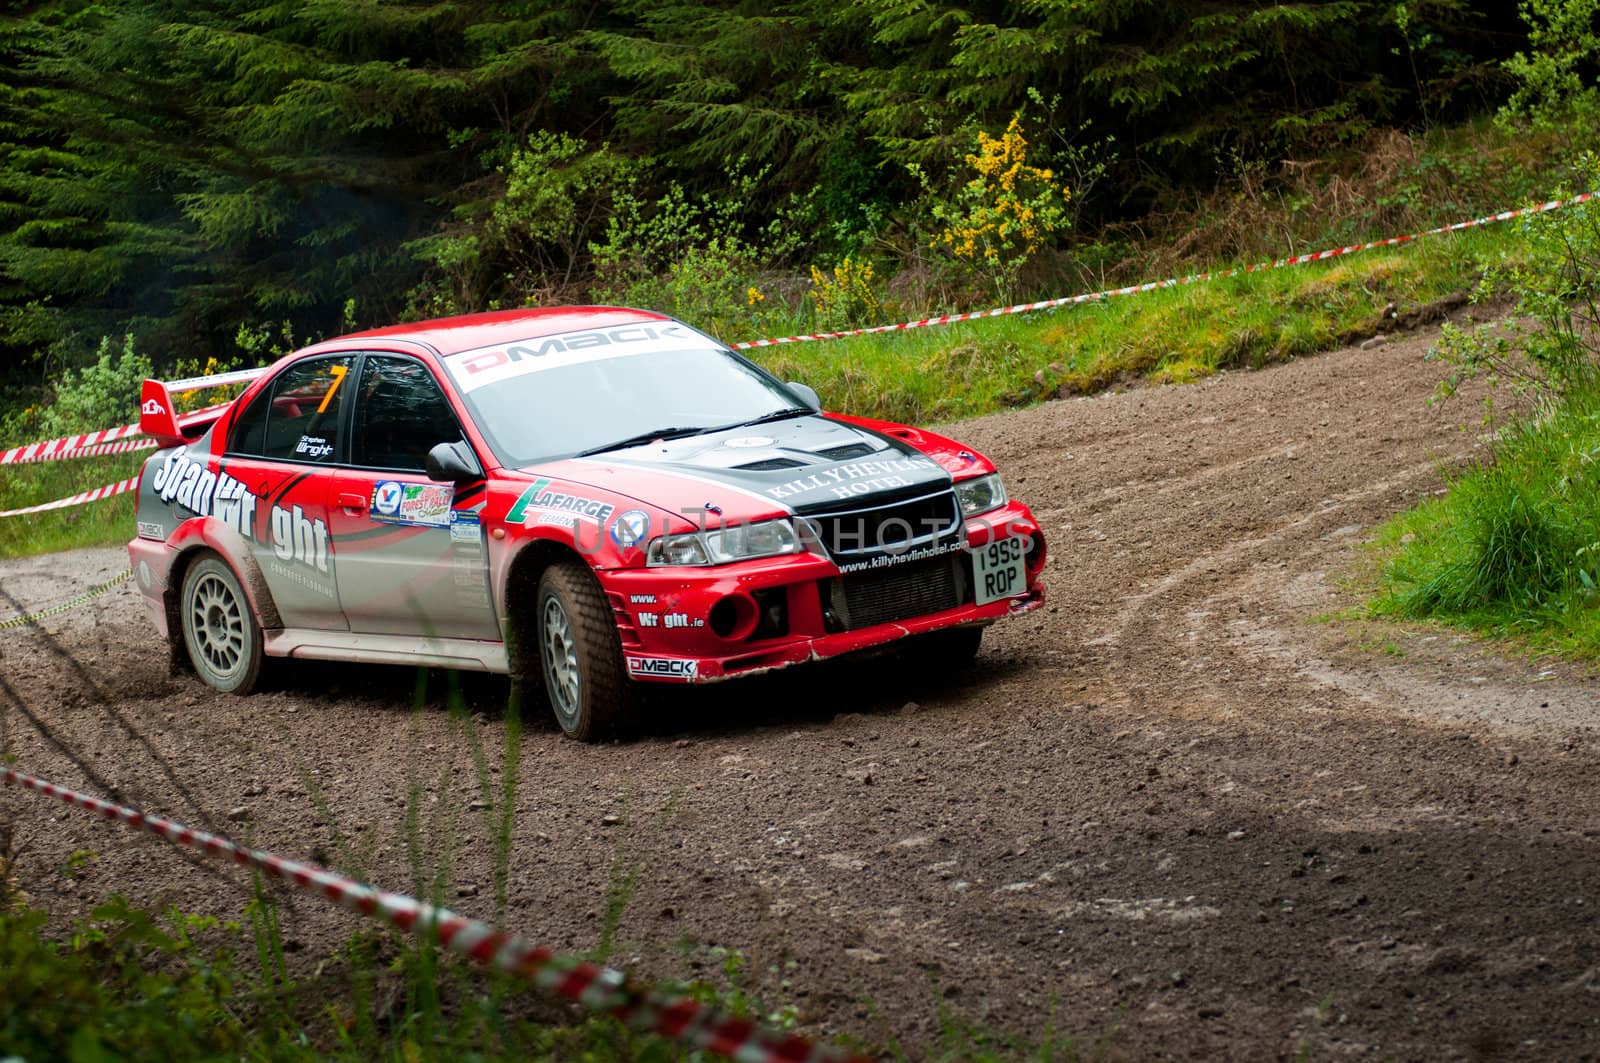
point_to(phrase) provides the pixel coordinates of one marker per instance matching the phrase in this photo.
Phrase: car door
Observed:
(412, 560)
(283, 448)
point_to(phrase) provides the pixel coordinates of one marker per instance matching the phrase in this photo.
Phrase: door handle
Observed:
(353, 502)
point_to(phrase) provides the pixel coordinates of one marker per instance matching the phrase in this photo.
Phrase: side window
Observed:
(400, 415)
(297, 417)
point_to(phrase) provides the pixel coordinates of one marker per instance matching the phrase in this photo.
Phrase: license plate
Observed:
(997, 570)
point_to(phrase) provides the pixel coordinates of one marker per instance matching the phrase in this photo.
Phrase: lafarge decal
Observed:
(856, 478)
(190, 485)
(538, 496)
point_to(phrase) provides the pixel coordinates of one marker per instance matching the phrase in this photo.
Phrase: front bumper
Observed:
(706, 624)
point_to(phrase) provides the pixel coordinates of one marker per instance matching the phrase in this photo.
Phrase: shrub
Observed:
(104, 394)
(846, 297)
(1549, 344)
(691, 256)
(1001, 215)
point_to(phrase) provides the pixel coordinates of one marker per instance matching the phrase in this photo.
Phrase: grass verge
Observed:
(1514, 548)
(1170, 335)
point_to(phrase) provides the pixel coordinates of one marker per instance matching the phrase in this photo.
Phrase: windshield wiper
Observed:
(642, 438)
(776, 415)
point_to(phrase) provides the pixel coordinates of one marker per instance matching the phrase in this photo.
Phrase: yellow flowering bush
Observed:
(845, 297)
(1005, 211)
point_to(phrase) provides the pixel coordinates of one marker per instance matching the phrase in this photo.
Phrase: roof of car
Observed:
(452, 335)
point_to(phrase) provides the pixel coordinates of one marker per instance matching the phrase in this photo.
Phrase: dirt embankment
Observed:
(1171, 813)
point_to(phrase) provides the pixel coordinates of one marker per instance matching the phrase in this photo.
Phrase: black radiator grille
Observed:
(863, 532)
(900, 592)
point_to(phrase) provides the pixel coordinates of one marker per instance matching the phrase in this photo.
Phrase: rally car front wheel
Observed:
(580, 654)
(219, 630)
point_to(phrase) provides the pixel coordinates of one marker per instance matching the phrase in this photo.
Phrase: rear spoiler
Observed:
(158, 418)
(158, 414)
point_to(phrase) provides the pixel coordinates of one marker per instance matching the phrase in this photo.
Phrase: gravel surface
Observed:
(1175, 813)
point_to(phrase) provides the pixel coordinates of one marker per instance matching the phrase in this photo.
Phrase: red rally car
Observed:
(582, 497)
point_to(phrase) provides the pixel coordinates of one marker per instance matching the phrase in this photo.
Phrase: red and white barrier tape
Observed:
(108, 491)
(604, 989)
(87, 444)
(99, 450)
(55, 449)
(1193, 278)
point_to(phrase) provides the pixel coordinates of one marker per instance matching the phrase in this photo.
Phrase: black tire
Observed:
(944, 652)
(578, 654)
(219, 630)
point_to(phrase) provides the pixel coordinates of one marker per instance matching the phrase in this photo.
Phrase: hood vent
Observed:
(848, 451)
(772, 464)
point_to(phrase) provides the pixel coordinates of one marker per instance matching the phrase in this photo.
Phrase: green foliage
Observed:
(1514, 548)
(1556, 77)
(177, 170)
(690, 255)
(531, 241)
(846, 297)
(104, 394)
(1000, 216)
(1550, 343)
(123, 986)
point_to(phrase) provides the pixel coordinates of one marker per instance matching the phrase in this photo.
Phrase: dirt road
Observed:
(1176, 813)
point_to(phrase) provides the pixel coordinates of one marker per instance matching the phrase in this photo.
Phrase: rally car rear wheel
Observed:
(219, 630)
(580, 654)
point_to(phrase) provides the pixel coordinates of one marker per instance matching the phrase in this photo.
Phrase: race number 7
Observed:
(337, 372)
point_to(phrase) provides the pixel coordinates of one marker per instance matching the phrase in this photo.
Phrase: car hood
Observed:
(806, 464)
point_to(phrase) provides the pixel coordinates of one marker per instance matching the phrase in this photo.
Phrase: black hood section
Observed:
(809, 463)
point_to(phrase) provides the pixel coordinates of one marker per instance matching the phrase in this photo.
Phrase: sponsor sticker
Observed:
(664, 667)
(149, 529)
(857, 478)
(642, 599)
(386, 498)
(475, 369)
(549, 516)
(152, 407)
(539, 496)
(465, 526)
(189, 484)
(418, 505)
(630, 529)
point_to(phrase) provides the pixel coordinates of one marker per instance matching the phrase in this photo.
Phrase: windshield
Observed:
(570, 407)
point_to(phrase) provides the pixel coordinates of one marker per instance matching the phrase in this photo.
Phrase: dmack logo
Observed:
(479, 363)
(666, 667)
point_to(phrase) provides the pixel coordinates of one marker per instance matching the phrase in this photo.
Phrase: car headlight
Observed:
(980, 494)
(718, 546)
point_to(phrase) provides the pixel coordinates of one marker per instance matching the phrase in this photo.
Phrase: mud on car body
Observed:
(585, 498)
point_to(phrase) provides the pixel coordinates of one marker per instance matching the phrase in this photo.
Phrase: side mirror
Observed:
(806, 392)
(452, 463)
